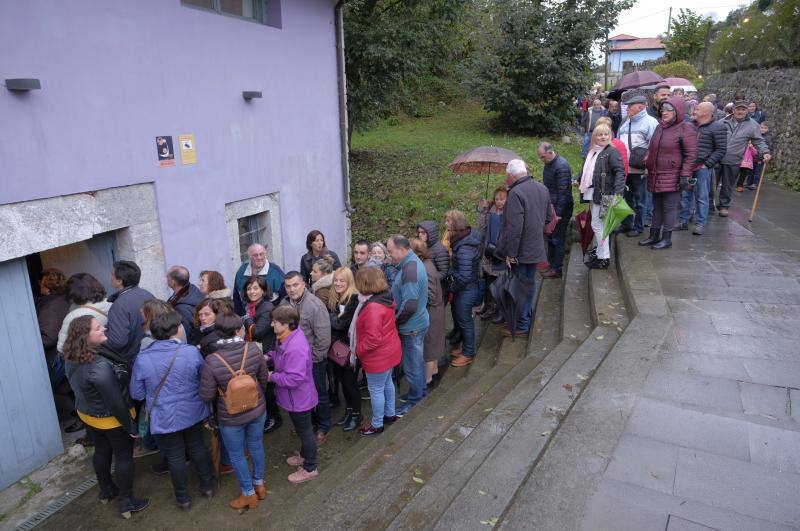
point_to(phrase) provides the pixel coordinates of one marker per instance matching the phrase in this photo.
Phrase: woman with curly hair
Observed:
(100, 377)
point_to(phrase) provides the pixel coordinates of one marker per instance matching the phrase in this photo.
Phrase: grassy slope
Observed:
(399, 172)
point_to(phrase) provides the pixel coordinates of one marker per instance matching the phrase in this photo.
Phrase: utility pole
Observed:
(705, 49)
(669, 21)
(605, 82)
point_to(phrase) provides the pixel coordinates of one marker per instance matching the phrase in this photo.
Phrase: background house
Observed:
(83, 183)
(627, 51)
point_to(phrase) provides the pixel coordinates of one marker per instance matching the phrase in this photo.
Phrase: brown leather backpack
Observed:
(242, 392)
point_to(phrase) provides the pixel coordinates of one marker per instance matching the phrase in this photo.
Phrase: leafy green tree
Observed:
(397, 52)
(687, 36)
(541, 60)
(676, 69)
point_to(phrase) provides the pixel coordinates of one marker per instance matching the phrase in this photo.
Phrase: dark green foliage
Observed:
(687, 36)
(676, 69)
(541, 60)
(397, 55)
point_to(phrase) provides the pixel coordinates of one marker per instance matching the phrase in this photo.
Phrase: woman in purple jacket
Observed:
(294, 388)
(238, 429)
(167, 375)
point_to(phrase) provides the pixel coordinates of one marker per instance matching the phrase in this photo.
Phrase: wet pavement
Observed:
(697, 409)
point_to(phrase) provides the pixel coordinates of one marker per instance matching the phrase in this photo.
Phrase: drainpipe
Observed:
(343, 122)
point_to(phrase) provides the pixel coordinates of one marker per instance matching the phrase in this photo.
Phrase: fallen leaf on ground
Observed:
(600, 338)
(440, 417)
(545, 433)
(582, 377)
(448, 439)
(573, 336)
(568, 387)
(418, 480)
(619, 329)
(490, 522)
(482, 493)
(488, 409)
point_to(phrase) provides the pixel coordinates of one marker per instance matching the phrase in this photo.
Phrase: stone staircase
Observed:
(464, 458)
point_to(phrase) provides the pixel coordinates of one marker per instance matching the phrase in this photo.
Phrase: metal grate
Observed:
(53, 508)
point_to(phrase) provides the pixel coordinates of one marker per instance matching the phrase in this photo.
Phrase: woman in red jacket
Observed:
(669, 163)
(374, 339)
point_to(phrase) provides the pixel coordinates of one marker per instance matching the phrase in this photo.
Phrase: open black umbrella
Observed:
(511, 294)
(640, 78)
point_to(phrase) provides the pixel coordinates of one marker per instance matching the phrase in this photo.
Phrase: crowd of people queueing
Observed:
(672, 157)
(145, 375)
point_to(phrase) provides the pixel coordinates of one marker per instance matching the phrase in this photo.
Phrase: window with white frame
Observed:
(263, 11)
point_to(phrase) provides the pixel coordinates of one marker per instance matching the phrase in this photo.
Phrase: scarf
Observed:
(362, 300)
(251, 308)
(178, 295)
(588, 168)
(282, 337)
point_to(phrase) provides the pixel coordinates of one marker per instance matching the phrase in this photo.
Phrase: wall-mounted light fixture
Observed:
(23, 85)
(250, 94)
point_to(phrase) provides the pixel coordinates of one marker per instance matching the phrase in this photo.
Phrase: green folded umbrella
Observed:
(617, 212)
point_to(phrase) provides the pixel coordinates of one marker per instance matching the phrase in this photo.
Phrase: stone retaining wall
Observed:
(776, 91)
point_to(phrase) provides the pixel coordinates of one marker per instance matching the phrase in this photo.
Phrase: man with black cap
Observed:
(741, 130)
(635, 133)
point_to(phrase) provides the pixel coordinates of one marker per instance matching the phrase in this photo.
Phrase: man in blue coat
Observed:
(257, 265)
(557, 177)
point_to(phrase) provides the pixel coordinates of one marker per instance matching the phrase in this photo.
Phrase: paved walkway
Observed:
(713, 436)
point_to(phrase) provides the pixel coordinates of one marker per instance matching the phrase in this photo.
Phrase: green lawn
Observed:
(399, 172)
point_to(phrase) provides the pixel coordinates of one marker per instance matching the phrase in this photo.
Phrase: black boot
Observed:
(654, 237)
(353, 422)
(346, 417)
(666, 240)
(127, 506)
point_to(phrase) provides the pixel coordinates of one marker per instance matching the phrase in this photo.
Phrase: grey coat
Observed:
(434, 338)
(739, 134)
(315, 323)
(522, 233)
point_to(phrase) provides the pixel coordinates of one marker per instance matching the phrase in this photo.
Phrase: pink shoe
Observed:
(295, 460)
(302, 475)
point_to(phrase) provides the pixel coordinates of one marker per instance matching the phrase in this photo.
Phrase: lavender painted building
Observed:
(81, 179)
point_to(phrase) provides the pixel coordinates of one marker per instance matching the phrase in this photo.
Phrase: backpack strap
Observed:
(227, 365)
(244, 358)
(164, 379)
(94, 309)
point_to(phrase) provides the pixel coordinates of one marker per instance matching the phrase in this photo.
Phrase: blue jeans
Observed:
(251, 434)
(463, 301)
(648, 203)
(381, 396)
(527, 271)
(756, 175)
(322, 414)
(587, 138)
(636, 197)
(699, 194)
(414, 364)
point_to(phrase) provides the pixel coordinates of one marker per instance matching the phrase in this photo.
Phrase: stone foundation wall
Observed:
(776, 91)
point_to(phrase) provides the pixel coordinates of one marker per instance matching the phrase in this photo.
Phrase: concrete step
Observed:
(372, 471)
(474, 487)
(576, 322)
(458, 390)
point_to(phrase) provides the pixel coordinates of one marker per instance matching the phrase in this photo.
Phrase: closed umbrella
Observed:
(617, 212)
(510, 292)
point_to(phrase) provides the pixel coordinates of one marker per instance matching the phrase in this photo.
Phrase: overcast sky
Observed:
(648, 18)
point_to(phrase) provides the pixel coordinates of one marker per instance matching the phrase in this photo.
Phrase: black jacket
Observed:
(465, 265)
(340, 324)
(524, 217)
(125, 322)
(262, 329)
(613, 183)
(101, 387)
(436, 250)
(712, 140)
(185, 301)
(557, 177)
(307, 262)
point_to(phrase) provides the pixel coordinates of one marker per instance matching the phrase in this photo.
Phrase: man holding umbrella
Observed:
(522, 234)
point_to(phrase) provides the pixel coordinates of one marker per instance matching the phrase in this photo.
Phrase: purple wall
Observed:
(116, 74)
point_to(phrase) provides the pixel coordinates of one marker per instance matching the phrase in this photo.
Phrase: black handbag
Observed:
(636, 155)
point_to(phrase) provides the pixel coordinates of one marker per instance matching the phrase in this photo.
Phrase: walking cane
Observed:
(758, 191)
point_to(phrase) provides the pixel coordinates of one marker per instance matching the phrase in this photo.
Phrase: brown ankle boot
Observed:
(245, 502)
(261, 491)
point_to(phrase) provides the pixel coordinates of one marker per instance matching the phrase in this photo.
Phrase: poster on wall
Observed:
(166, 155)
(188, 153)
